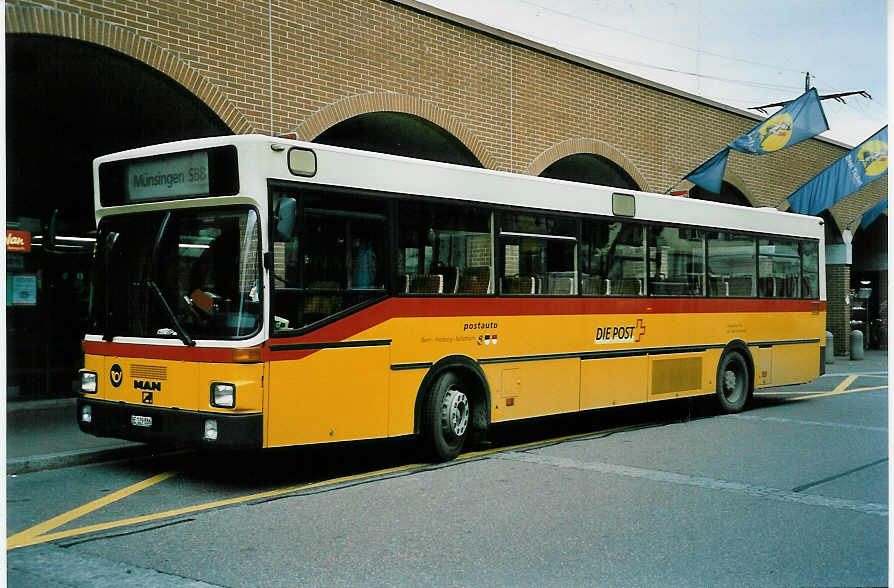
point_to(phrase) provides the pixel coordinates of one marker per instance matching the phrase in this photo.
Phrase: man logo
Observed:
(116, 375)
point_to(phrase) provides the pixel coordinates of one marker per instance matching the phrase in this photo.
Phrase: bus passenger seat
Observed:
(474, 280)
(594, 287)
(519, 285)
(628, 287)
(427, 284)
(741, 286)
(717, 286)
(561, 285)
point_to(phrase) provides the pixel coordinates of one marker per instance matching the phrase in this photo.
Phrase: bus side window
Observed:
(336, 258)
(443, 249)
(676, 261)
(731, 263)
(538, 254)
(809, 269)
(779, 268)
(622, 258)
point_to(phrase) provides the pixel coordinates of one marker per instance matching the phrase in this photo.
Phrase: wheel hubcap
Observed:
(729, 381)
(455, 412)
(733, 383)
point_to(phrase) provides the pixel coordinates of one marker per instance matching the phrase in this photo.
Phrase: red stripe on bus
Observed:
(202, 354)
(462, 308)
(481, 307)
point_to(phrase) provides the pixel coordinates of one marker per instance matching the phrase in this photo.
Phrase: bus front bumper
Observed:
(169, 426)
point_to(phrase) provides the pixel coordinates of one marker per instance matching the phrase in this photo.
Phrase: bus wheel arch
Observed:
(470, 379)
(735, 377)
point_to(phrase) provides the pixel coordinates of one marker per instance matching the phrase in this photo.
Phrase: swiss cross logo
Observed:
(640, 329)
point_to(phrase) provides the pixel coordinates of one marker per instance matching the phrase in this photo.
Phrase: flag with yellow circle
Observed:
(862, 165)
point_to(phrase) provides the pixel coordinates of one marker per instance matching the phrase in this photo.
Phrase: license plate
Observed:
(140, 421)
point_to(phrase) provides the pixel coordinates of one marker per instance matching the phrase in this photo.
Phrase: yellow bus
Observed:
(257, 292)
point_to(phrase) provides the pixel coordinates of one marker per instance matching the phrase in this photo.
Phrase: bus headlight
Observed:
(210, 433)
(86, 414)
(88, 382)
(223, 395)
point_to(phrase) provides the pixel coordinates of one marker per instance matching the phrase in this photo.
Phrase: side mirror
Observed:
(111, 242)
(284, 219)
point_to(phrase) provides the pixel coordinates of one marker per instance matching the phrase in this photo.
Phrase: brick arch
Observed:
(46, 21)
(585, 145)
(736, 181)
(352, 106)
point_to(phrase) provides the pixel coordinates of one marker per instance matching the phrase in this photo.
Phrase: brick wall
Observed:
(838, 310)
(273, 66)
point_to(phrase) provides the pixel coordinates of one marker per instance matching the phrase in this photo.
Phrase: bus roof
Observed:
(351, 168)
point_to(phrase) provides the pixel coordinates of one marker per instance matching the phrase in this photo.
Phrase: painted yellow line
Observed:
(839, 393)
(33, 539)
(841, 388)
(844, 384)
(40, 534)
(27, 536)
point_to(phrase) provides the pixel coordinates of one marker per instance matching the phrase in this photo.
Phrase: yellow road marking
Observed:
(844, 384)
(27, 536)
(40, 533)
(32, 539)
(837, 392)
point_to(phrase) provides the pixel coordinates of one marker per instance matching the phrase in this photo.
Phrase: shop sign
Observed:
(19, 241)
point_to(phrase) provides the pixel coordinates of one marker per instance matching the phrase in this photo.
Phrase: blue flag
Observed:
(861, 165)
(709, 175)
(800, 119)
(870, 215)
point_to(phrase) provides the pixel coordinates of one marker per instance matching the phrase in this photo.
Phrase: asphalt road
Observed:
(792, 492)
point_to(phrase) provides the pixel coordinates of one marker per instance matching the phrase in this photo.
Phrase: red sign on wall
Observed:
(19, 241)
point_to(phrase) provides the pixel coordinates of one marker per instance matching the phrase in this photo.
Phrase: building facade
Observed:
(396, 76)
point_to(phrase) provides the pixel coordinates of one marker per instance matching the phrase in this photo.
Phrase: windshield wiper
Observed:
(178, 328)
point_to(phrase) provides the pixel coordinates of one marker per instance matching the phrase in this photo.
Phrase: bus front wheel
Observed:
(446, 417)
(733, 382)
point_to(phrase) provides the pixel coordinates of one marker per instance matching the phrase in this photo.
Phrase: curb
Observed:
(51, 461)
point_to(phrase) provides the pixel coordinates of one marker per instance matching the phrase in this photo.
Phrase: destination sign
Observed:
(183, 174)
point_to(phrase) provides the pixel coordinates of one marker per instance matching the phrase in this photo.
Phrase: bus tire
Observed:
(733, 381)
(446, 417)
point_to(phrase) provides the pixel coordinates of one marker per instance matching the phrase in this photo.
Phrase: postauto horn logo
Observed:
(874, 157)
(776, 132)
(116, 375)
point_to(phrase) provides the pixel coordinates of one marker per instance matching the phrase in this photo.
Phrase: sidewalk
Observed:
(43, 434)
(874, 360)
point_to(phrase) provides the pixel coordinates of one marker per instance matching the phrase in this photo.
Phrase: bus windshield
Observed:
(184, 274)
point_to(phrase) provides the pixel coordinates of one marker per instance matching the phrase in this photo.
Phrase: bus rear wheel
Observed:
(733, 382)
(446, 417)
